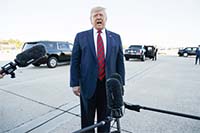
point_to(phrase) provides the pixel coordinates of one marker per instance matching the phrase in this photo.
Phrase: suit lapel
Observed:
(91, 42)
(109, 44)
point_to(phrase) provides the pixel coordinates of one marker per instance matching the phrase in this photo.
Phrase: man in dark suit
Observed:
(197, 55)
(155, 54)
(97, 53)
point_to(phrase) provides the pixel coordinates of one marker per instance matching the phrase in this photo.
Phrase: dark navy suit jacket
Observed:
(198, 52)
(84, 62)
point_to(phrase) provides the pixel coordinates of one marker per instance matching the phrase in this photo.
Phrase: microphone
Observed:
(30, 55)
(114, 97)
(118, 77)
(24, 59)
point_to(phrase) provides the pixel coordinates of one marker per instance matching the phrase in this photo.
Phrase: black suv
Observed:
(56, 51)
(187, 51)
(140, 52)
(135, 51)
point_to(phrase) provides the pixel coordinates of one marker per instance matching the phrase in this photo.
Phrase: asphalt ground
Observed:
(39, 100)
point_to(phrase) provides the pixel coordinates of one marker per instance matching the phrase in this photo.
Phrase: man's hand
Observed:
(76, 90)
(2, 74)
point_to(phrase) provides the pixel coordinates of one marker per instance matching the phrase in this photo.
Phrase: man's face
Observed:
(98, 20)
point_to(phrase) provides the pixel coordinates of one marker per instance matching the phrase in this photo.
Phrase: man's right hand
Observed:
(2, 74)
(76, 90)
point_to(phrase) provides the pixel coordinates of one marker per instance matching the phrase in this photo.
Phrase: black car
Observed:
(56, 52)
(188, 51)
(140, 52)
(135, 51)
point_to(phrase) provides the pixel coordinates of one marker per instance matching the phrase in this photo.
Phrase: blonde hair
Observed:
(97, 9)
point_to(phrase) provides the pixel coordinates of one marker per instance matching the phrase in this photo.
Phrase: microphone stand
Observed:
(138, 107)
(108, 119)
(116, 114)
(118, 126)
(101, 123)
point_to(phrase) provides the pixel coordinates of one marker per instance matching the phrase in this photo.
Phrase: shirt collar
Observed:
(95, 31)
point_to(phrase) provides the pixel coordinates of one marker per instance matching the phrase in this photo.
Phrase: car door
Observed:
(65, 51)
(193, 52)
(149, 51)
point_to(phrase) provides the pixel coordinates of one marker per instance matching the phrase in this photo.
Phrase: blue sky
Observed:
(154, 22)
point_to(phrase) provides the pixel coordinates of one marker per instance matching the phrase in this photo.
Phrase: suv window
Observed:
(51, 46)
(149, 48)
(63, 46)
(27, 46)
(189, 49)
(194, 49)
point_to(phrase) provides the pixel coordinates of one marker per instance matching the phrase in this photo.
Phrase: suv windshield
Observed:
(27, 46)
(135, 47)
(30, 45)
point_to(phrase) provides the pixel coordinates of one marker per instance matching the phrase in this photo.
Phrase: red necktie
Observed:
(100, 55)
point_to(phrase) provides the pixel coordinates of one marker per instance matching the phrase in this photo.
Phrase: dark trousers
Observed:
(196, 60)
(96, 104)
(154, 56)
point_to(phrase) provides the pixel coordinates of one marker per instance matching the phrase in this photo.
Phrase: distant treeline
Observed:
(18, 44)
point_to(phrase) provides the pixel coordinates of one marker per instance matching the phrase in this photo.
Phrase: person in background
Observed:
(197, 55)
(155, 54)
(97, 53)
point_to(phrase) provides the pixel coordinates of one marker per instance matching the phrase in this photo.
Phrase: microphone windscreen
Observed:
(30, 55)
(118, 77)
(114, 93)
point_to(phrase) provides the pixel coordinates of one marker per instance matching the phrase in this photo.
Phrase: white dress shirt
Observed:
(103, 36)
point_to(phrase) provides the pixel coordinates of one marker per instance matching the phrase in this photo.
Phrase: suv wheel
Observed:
(127, 58)
(185, 54)
(52, 62)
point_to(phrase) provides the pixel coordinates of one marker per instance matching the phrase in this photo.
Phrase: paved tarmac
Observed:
(39, 100)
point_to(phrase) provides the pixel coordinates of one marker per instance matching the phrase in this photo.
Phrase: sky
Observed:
(164, 23)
